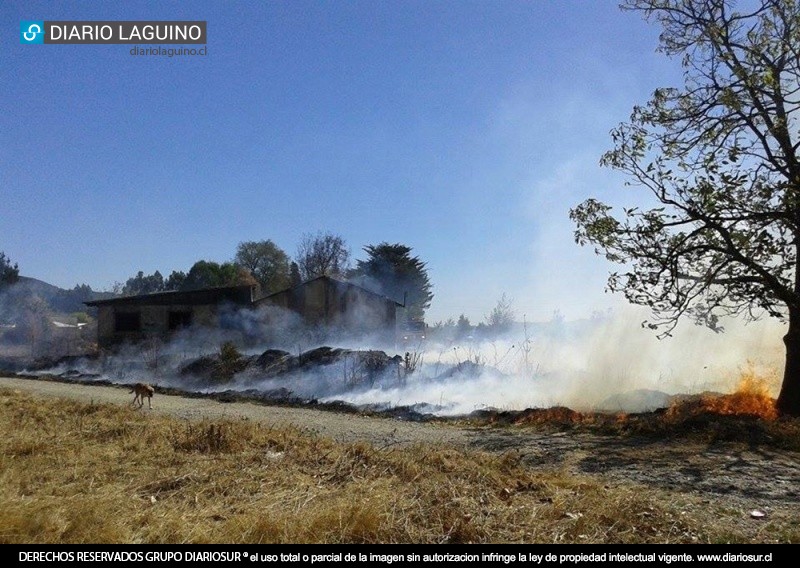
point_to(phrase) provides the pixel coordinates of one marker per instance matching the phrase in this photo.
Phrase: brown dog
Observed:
(142, 390)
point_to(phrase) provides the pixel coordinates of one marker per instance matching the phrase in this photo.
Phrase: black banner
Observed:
(392, 555)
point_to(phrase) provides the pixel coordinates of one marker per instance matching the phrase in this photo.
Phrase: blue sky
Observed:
(465, 130)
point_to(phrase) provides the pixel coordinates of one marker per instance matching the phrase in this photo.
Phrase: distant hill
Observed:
(58, 300)
(28, 286)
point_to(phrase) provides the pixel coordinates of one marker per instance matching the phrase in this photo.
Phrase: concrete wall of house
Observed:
(324, 302)
(154, 321)
(358, 309)
(321, 302)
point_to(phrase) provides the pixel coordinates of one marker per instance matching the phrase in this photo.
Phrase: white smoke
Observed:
(581, 364)
(584, 366)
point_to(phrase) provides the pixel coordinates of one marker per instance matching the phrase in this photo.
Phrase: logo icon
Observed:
(31, 31)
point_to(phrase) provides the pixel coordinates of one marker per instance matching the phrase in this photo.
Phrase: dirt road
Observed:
(751, 477)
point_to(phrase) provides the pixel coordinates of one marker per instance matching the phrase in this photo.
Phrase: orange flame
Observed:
(751, 398)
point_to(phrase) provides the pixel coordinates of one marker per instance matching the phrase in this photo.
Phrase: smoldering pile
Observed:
(363, 380)
(355, 367)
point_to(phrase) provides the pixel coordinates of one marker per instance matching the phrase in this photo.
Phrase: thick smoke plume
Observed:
(607, 363)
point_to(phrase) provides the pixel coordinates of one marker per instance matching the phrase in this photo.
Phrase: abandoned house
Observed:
(135, 317)
(321, 301)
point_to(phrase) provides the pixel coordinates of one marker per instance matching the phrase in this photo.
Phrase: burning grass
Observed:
(751, 398)
(747, 415)
(73, 472)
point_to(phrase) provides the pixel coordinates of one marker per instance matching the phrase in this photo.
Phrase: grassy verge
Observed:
(74, 473)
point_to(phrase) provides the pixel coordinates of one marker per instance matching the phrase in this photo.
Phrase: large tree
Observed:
(323, 254)
(72, 300)
(205, 274)
(718, 156)
(391, 270)
(175, 280)
(501, 318)
(267, 262)
(144, 284)
(294, 275)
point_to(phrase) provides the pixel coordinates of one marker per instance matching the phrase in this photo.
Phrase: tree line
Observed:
(388, 269)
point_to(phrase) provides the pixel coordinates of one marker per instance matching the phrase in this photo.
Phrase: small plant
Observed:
(228, 353)
(361, 368)
(204, 439)
(411, 361)
(230, 362)
(352, 376)
(526, 348)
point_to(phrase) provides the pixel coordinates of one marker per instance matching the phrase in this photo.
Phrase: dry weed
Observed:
(77, 473)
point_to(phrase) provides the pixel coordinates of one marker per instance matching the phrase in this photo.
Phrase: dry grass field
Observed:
(83, 472)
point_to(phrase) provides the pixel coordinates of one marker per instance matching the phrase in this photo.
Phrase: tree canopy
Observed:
(206, 274)
(718, 157)
(9, 273)
(175, 280)
(323, 254)
(267, 262)
(144, 284)
(72, 300)
(202, 274)
(391, 270)
(501, 318)
(294, 275)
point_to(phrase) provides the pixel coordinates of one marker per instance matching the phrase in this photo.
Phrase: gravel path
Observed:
(756, 477)
(344, 427)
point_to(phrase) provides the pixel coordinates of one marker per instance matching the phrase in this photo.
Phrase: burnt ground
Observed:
(756, 474)
(747, 475)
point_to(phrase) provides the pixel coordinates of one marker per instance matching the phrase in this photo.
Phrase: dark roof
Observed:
(335, 282)
(233, 294)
